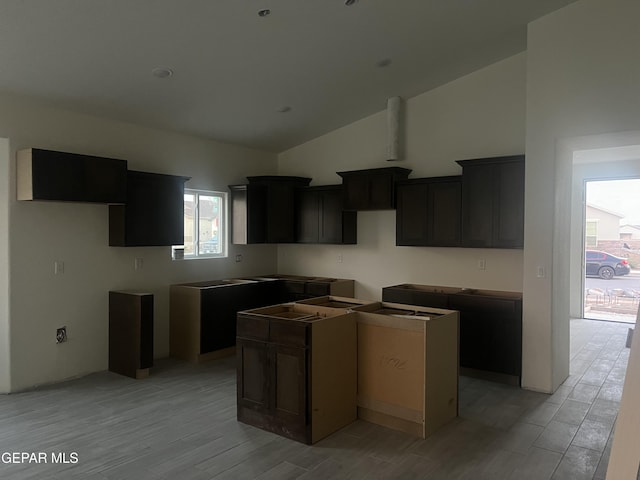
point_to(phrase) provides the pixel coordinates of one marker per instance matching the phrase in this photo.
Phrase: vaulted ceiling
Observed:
(269, 81)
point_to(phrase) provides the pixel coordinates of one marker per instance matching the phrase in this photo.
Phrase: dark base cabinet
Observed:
(490, 325)
(296, 370)
(203, 314)
(130, 333)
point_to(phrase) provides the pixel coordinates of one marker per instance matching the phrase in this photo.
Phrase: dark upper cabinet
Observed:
(70, 177)
(320, 217)
(493, 202)
(263, 211)
(153, 214)
(429, 212)
(372, 189)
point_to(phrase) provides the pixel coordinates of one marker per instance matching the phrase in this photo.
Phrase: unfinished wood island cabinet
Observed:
(296, 367)
(407, 366)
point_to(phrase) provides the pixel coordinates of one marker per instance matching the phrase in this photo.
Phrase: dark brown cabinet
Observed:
(320, 217)
(263, 211)
(70, 177)
(296, 370)
(153, 214)
(490, 324)
(493, 202)
(372, 189)
(130, 333)
(429, 212)
(202, 316)
(490, 331)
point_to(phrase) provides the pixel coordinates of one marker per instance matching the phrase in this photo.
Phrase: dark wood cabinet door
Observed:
(411, 215)
(337, 226)
(356, 192)
(307, 216)
(371, 189)
(429, 212)
(320, 217)
(280, 213)
(508, 227)
(444, 213)
(153, 214)
(490, 333)
(266, 212)
(381, 192)
(477, 206)
(493, 202)
(289, 386)
(253, 375)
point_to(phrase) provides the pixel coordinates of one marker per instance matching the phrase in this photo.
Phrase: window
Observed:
(205, 224)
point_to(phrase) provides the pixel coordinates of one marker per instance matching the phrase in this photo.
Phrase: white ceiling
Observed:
(234, 69)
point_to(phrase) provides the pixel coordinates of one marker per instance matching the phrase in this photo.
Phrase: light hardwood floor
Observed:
(180, 424)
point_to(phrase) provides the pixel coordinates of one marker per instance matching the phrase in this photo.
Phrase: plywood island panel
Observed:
(407, 366)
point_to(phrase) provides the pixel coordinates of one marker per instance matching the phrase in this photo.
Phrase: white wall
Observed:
(479, 115)
(42, 232)
(582, 71)
(5, 381)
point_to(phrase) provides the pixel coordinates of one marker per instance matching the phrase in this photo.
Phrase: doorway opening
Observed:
(611, 261)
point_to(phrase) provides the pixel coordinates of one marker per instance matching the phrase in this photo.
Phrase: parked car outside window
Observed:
(604, 265)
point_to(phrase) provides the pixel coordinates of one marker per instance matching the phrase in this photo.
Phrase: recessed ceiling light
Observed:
(162, 72)
(348, 3)
(264, 12)
(283, 109)
(385, 62)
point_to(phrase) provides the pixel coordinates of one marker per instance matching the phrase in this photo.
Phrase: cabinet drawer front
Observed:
(289, 333)
(293, 286)
(318, 289)
(252, 327)
(485, 305)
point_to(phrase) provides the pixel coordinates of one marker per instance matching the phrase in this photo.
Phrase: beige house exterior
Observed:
(601, 224)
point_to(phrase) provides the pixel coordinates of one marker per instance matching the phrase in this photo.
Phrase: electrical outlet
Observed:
(482, 264)
(61, 334)
(137, 264)
(340, 259)
(58, 267)
(238, 258)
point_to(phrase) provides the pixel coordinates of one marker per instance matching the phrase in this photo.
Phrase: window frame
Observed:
(223, 224)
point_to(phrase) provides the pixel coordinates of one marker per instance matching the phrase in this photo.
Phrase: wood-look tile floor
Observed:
(180, 424)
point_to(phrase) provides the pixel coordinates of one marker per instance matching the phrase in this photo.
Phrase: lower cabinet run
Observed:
(307, 369)
(297, 370)
(490, 326)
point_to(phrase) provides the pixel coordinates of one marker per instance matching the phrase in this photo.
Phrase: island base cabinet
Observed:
(407, 367)
(296, 370)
